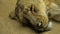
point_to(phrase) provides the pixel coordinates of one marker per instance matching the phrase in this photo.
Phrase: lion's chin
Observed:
(48, 28)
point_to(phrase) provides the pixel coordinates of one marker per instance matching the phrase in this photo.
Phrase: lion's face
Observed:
(31, 14)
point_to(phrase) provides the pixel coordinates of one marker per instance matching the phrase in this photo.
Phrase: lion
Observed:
(32, 12)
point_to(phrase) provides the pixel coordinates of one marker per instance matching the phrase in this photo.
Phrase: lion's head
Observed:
(33, 15)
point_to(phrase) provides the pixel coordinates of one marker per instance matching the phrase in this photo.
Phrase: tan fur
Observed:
(53, 9)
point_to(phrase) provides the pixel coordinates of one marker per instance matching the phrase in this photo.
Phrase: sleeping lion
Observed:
(32, 12)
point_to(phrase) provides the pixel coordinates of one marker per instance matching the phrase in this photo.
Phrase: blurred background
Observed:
(8, 26)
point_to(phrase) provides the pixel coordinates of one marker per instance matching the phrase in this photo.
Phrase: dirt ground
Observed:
(8, 26)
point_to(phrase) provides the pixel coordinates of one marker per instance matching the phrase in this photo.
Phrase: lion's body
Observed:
(53, 10)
